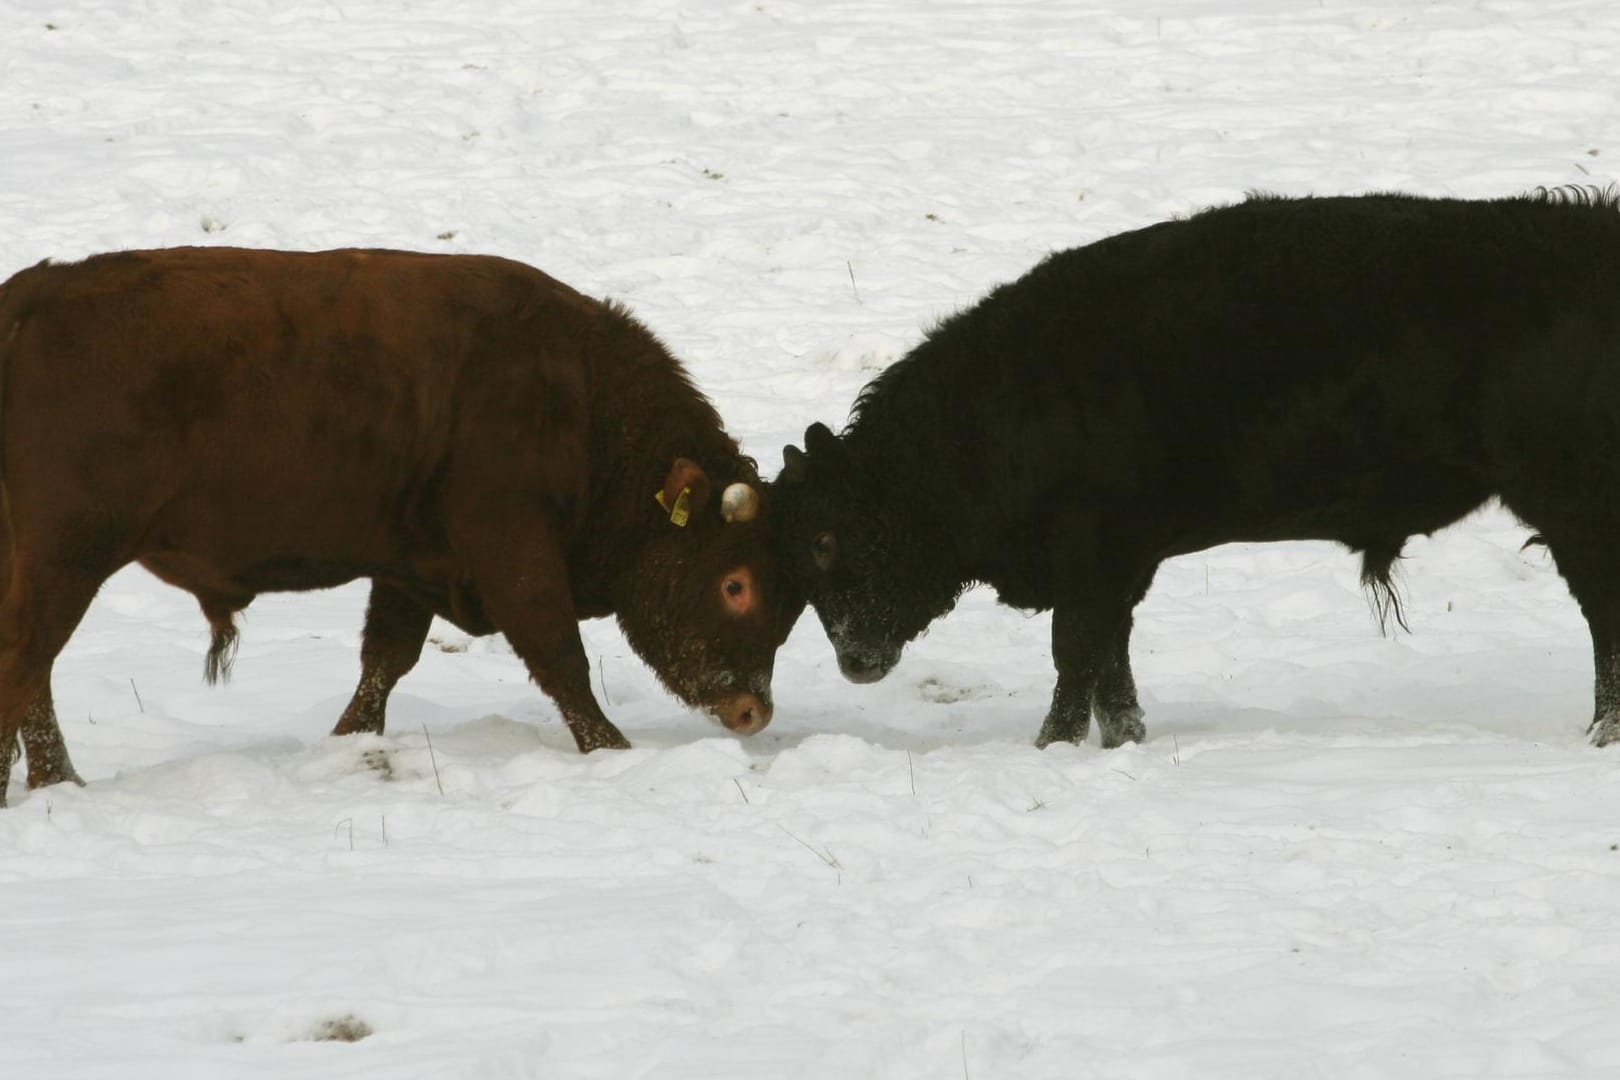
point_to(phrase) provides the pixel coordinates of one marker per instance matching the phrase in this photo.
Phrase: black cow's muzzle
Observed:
(863, 667)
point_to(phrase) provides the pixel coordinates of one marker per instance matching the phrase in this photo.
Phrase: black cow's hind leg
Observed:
(1594, 581)
(1598, 593)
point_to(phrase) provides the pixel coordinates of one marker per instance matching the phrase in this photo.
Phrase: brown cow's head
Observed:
(704, 601)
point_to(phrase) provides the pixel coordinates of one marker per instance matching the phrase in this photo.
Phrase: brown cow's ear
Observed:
(685, 491)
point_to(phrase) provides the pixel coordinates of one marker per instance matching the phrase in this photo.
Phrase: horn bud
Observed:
(739, 502)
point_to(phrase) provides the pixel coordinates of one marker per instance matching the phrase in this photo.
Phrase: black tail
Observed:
(1377, 577)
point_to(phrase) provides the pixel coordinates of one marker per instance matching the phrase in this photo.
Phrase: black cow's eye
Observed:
(822, 550)
(734, 587)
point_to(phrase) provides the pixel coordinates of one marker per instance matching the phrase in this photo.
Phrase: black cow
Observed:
(1357, 369)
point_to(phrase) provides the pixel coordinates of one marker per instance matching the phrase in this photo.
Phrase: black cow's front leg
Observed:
(1082, 650)
(1119, 716)
(1069, 718)
(1091, 641)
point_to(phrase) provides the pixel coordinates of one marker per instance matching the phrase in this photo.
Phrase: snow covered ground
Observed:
(1338, 855)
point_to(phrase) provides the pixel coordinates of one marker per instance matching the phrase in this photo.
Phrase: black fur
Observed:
(1358, 369)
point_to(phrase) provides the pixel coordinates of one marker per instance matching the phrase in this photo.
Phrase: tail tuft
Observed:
(221, 653)
(1378, 578)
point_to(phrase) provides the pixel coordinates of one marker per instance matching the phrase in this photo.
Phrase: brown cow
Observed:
(481, 441)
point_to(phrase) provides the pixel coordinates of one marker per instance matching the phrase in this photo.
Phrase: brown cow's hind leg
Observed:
(48, 761)
(390, 645)
(37, 616)
(40, 737)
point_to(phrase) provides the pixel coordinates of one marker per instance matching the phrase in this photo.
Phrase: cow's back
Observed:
(287, 419)
(1279, 368)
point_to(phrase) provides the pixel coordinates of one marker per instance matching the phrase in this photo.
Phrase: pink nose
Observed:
(745, 714)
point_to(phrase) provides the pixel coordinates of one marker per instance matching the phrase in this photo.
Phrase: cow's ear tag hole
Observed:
(681, 512)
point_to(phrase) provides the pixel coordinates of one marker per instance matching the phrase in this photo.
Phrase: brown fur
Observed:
(480, 440)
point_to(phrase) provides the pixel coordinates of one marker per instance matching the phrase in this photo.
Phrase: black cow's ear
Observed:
(794, 468)
(820, 441)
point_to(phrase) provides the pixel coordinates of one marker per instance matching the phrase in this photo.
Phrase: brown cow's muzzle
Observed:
(745, 714)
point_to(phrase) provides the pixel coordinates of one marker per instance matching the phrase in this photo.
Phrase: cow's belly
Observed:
(1359, 508)
(252, 540)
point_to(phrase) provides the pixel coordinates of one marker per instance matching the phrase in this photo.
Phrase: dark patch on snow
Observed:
(943, 694)
(447, 645)
(380, 762)
(344, 1029)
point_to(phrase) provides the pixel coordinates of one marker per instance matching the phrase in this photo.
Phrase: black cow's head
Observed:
(704, 600)
(872, 574)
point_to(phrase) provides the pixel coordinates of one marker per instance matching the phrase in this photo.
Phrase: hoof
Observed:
(359, 722)
(599, 736)
(48, 765)
(69, 777)
(1060, 732)
(1123, 727)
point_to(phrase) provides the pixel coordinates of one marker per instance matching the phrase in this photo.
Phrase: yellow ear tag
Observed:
(682, 513)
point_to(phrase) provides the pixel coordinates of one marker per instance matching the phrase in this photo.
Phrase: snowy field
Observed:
(1338, 855)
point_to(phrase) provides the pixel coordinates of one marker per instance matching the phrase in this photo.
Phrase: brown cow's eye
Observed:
(737, 592)
(822, 550)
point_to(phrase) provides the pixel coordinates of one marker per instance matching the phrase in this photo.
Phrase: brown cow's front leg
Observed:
(41, 739)
(551, 648)
(390, 645)
(523, 579)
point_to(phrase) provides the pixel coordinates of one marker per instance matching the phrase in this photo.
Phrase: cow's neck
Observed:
(642, 417)
(921, 476)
